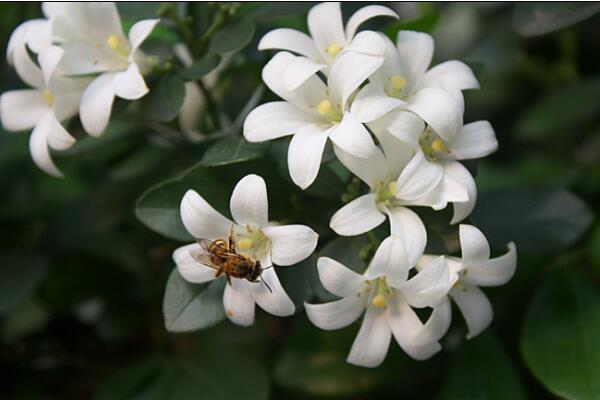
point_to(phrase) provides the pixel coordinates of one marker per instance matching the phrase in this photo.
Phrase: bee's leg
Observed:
(218, 273)
(228, 279)
(231, 240)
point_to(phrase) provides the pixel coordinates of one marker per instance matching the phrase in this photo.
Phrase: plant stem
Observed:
(211, 106)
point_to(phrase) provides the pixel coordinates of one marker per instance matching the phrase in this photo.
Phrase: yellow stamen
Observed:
(244, 243)
(324, 107)
(398, 82)
(48, 97)
(113, 41)
(438, 145)
(379, 301)
(392, 187)
(333, 49)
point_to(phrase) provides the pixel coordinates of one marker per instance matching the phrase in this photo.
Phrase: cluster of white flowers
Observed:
(76, 60)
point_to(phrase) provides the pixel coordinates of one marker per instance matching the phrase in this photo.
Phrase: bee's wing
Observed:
(202, 254)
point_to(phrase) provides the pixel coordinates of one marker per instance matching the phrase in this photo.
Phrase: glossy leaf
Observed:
(201, 67)
(233, 37)
(189, 307)
(20, 274)
(562, 111)
(164, 100)
(232, 149)
(482, 370)
(536, 220)
(531, 19)
(560, 336)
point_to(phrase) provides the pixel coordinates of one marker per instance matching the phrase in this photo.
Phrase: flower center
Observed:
(326, 109)
(381, 288)
(48, 97)
(252, 242)
(333, 49)
(432, 145)
(397, 83)
(386, 192)
(119, 46)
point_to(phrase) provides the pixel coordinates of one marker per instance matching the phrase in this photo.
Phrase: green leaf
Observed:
(189, 307)
(271, 11)
(561, 110)
(594, 247)
(200, 67)
(20, 274)
(233, 37)
(531, 19)
(232, 149)
(126, 382)
(536, 220)
(560, 336)
(482, 370)
(158, 207)
(164, 100)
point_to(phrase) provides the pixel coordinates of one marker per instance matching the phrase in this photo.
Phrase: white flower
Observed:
(473, 140)
(51, 100)
(473, 269)
(434, 94)
(255, 237)
(382, 292)
(313, 111)
(328, 36)
(94, 43)
(396, 180)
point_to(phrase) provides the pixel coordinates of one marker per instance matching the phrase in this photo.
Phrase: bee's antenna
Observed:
(270, 266)
(265, 283)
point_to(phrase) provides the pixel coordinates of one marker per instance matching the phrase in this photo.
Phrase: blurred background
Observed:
(82, 277)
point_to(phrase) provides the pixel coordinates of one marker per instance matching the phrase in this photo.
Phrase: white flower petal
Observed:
(352, 137)
(473, 244)
(339, 279)
(373, 340)
(454, 187)
(369, 43)
(201, 220)
(291, 244)
(58, 137)
(475, 140)
(390, 261)
(407, 127)
(96, 104)
(305, 97)
(418, 178)
(453, 75)
(408, 226)
(249, 204)
(437, 325)
(326, 28)
(17, 54)
(474, 306)
(439, 109)
(273, 120)
(22, 109)
(239, 305)
(405, 325)
(190, 269)
(97, 20)
(359, 216)
(457, 172)
(140, 32)
(372, 103)
(38, 145)
(429, 286)
(291, 40)
(298, 71)
(372, 170)
(49, 57)
(365, 14)
(336, 314)
(274, 301)
(350, 69)
(305, 154)
(129, 84)
(415, 50)
(191, 111)
(494, 272)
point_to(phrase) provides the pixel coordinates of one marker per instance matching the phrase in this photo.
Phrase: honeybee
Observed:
(222, 256)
